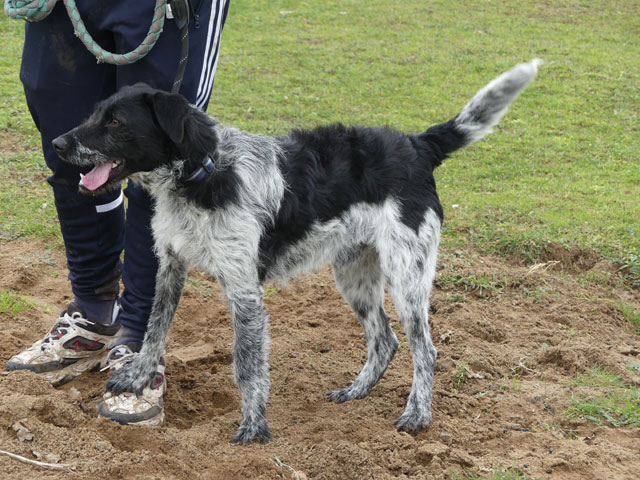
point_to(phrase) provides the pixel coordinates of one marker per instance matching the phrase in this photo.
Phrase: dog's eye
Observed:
(114, 122)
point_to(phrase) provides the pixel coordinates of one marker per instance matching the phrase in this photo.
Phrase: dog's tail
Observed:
(484, 110)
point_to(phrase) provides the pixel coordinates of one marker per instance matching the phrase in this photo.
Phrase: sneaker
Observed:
(73, 346)
(129, 408)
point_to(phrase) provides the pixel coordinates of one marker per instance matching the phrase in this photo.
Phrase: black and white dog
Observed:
(250, 209)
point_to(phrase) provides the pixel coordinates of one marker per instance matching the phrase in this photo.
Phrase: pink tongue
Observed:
(97, 177)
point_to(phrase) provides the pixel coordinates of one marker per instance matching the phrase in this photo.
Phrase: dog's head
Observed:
(136, 130)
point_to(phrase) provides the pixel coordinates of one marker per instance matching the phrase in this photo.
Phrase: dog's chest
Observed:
(216, 241)
(175, 225)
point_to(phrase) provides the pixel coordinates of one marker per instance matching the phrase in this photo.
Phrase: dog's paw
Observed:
(252, 432)
(342, 395)
(131, 378)
(412, 421)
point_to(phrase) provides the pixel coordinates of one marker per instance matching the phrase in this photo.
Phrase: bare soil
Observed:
(525, 337)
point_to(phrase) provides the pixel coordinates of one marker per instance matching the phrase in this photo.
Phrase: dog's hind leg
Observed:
(250, 362)
(409, 264)
(359, 279)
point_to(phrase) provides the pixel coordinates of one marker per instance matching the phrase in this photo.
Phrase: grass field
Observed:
(562, 168)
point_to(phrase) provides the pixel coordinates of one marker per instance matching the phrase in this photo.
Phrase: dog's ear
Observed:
(170, 111)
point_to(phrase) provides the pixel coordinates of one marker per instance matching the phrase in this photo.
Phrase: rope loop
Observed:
(36, 10)
(31, 11)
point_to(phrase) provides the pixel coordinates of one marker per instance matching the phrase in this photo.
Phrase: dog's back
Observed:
(338, 177)
(332, 172)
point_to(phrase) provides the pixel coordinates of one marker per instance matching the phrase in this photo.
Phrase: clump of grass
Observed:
(620, 407)
(516, 383)
(461, 373)
(633, 366)
(593, 278)
(270, 290)
(630, 269)
(524, 247)
(538, 292)
(200, 286)
(401, 337)
(12, 303)
(482, 284)
(630, 314)
(598, 377)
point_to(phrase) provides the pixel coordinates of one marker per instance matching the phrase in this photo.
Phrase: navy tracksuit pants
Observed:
(62, 83)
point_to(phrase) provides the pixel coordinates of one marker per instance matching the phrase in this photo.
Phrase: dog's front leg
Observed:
(250, 363)
(141, 372)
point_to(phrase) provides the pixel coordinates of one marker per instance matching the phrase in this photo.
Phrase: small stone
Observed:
(22, 432)
(446, 438)
(549, 470)
(462, 458)
(75, 394)
(426, 453)
(445, 365)
(51, 458)
(102, 446)
(445, 338)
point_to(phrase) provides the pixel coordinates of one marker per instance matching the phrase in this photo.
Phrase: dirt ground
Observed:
(525, 337)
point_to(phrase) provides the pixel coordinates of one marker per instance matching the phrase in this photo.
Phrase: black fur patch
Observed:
(331, 168)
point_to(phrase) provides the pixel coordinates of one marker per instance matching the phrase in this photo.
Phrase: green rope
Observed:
(36, 10)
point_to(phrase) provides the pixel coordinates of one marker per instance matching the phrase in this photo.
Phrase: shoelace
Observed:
(125, 355)
(62, 326)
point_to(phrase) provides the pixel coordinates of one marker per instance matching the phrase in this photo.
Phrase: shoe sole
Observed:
(154, 421)
(68, 373)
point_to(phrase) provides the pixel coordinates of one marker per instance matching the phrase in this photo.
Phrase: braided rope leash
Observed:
(36, 10)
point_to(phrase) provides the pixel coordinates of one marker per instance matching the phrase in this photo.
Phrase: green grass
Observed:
(562, 168)
(619, 406)
(26, 204)
(11, 303)
(481, 284)
(270, 290)
(461, 373)
(633, 366)
(598, 377)
(630, 314)
(201, 287)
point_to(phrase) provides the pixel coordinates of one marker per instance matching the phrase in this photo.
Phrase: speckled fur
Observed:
(376, 235)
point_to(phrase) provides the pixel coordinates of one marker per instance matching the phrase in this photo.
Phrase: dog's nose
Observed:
(60, 144)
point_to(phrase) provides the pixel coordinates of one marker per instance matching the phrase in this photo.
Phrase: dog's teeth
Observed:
(117, 162)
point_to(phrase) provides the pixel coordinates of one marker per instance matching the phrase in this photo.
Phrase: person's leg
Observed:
(62, 83)
(158, 69)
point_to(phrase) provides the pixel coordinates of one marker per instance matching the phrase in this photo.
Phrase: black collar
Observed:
(202, 170)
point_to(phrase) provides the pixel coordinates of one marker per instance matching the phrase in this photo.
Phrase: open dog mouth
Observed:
(101, 174)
